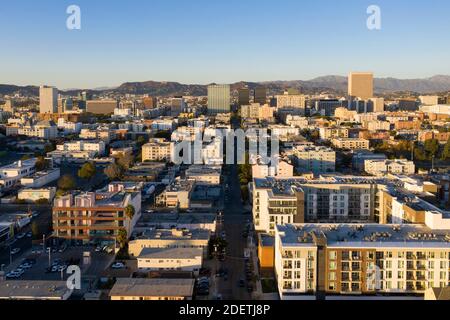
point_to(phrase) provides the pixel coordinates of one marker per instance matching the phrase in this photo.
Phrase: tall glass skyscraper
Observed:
(219, 98)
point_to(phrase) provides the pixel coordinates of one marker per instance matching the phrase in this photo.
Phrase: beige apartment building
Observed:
(360, 85)
(157, 150)
(298, 200)
(315, 159)
(351, 260)
(379, 167)
(95, 216)
(351, 143)
(287, 100)
(257, 111)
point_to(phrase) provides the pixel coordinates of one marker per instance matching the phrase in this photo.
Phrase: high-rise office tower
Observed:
(48, 99)
(244, 97)
(360, 85)
(260, 95)
(219, 98)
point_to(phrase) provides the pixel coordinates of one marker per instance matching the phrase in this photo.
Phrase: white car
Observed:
(15, 251)
(62, 268)
(118, 265)
(12, 275)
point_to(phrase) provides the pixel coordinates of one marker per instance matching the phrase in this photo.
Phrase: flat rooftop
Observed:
(364, 235)
(267, 240)
(170, 253)
(129, 287)
(166, 234)
(175, 218)
(287, 186)
(19, 164)
(34, 290)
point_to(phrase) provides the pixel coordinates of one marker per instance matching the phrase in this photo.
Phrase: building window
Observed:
(333, 255)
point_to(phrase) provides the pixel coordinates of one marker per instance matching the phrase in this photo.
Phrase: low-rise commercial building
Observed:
(33, 194)
(383, 167)
(11, 174)
(171, 259)
(41, 178)
(204, 174)
(152, 289)
(34, 290)
(169, 238)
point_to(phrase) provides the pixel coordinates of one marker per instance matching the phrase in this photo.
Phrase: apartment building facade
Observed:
(157, 150)
(351, 143)
(296, 200)
(95, 216)
(314, 159)
(382, 167)
(351, 260)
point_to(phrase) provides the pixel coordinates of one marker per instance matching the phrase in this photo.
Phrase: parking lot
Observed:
(33, 265)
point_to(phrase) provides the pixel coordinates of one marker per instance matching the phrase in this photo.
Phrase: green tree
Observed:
(163, 134)
(122, 238)
(431, 146)
(446, 152)
(141, 141)
(66, 183)
(125, 161)
(49, 148)
(42, 164)
(113, 171)
(420, 155)
(244, 192)
(35, 230)
(130, 211)
(87, 171)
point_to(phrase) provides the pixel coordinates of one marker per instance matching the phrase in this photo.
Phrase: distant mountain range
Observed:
(337, 84)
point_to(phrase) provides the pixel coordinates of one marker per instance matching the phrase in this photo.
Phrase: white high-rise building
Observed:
(48, 99)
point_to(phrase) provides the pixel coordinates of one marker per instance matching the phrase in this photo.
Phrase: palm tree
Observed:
(130, 211)
(122, 238)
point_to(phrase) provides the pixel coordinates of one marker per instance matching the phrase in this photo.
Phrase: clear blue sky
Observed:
(202, 41)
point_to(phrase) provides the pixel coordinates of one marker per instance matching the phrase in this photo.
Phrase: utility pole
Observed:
(49, 257)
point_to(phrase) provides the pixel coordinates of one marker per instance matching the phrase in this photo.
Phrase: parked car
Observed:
(15, 251)
(118, 265)
(20, 235)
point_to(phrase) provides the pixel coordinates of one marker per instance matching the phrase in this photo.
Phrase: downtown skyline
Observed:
(203, 42)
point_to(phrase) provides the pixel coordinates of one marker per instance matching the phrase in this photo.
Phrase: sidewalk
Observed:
(258, 293)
